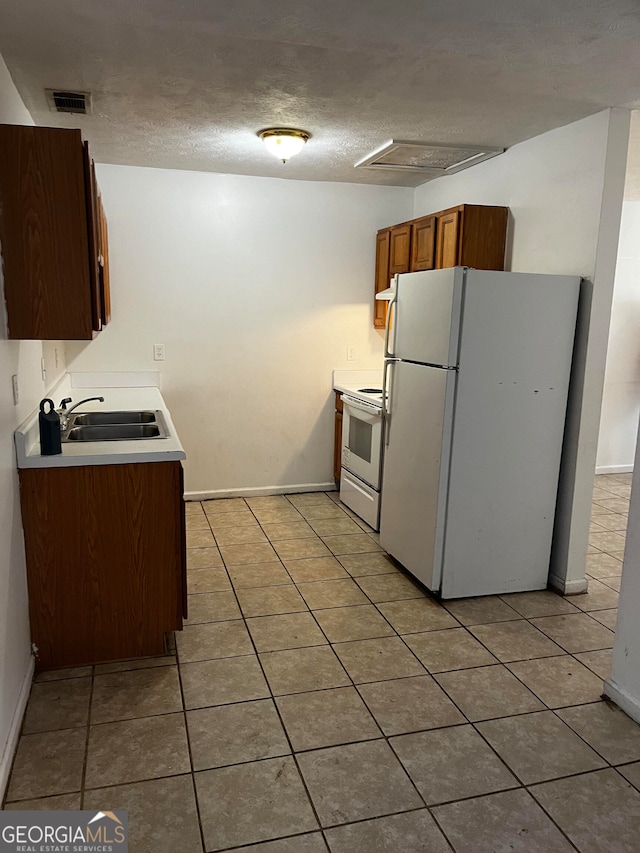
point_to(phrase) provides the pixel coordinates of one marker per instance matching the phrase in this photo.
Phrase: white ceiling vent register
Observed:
(63, 101)
(428, 158)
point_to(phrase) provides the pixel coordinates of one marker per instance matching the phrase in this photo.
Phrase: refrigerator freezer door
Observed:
(427, 316)
(416, 468)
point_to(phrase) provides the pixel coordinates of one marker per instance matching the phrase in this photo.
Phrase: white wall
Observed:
(564, 190)
(255, 286)
(621, 398)
(21, 358)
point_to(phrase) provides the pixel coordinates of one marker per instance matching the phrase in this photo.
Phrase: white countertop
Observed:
(351, 381)
(27, 436)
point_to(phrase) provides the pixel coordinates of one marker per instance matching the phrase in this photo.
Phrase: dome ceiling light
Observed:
(282, 142)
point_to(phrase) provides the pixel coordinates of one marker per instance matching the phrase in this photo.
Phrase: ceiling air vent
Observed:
(69, 102)
(428, 158)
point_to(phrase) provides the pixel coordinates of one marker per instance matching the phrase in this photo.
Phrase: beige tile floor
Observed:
(320, 701)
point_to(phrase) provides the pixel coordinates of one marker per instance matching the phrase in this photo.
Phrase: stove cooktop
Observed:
(373, 396)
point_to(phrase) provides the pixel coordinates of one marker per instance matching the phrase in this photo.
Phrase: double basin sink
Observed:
(115, 426)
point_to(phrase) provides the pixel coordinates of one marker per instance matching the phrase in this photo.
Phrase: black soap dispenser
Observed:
(50, 443)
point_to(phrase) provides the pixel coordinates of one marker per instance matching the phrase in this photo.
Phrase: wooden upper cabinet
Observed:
(400, 249)
(103, 259)
(483, 236)
(423, 236)
(470, 235)
(49, 234)
(383, 276)
(93, 232)
(447, 239)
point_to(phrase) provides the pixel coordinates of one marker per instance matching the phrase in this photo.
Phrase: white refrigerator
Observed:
(476, 383)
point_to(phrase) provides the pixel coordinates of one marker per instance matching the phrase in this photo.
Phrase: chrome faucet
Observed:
(64, 412)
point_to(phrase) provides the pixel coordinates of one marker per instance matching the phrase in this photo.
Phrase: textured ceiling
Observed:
(187, 83)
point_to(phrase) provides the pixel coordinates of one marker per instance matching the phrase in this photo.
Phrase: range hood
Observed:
(389, 293)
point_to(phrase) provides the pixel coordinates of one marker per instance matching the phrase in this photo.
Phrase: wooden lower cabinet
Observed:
(106, 560)
(337, 440)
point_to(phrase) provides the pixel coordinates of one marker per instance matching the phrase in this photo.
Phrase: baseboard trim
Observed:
(568, 587)
(212, 494)
(614, 469)
(627, 703)
(14, 730)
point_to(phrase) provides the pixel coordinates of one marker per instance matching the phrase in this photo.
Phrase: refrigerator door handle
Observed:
(387, 325)
(386, 386)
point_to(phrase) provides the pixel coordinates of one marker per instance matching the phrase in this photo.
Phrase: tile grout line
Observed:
(190, 751)
(353, 685)
(87, 739)
(273, 699)
(286, 734)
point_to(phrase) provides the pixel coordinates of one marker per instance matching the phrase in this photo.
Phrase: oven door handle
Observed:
(374, 411)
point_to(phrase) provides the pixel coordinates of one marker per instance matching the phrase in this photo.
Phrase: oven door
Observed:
(362, 440)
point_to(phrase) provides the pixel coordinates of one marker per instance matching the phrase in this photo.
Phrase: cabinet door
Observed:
(483, 237)
(423, 237)
(337, 447)
(447, 239)
(105, 284)
(92, 231)
(183, 596)
(43, 234)
(105, 565)
(383, 243)
(400, 249)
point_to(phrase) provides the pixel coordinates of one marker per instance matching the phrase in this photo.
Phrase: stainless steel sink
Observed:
(113, 432)
(102, 418)
(115, 426)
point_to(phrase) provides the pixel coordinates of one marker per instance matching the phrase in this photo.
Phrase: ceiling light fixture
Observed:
(284, 142)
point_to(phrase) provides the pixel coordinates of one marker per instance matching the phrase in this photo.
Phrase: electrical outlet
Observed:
(351, 353)
(43, 370)
(16, 392)
(57, 356)
(158, 352)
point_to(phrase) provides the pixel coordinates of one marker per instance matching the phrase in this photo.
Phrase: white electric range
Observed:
(362, 442)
